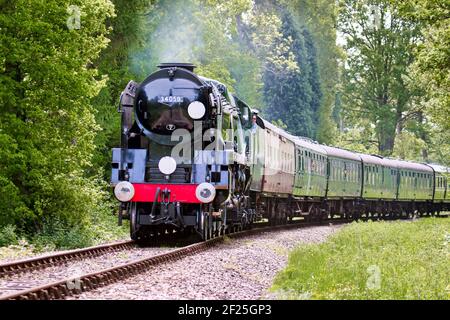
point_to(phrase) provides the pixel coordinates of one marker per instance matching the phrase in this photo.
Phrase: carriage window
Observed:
(333, 167)
(300, 163)
(336, 170)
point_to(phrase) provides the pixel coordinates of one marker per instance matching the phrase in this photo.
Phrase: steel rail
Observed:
(30, 264)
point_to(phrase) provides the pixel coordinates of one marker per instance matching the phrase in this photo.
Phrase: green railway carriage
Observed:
(310, 169)
(416, 181)
(441, 183)
(344, 173)
(380, 178)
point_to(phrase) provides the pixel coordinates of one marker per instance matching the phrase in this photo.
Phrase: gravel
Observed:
(237, 269)
(13, 283)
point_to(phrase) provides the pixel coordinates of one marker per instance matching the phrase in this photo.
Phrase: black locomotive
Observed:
(182, 161)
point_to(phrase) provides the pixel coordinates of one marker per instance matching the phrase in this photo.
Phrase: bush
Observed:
(8, 235)
(47, 125)
(92, 222)
(56, 234)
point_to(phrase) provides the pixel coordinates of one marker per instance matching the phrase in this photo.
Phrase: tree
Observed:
(320, 18)
(47, 126)
(431, 69)
(116, 63)
(380, 47)
(294, 95)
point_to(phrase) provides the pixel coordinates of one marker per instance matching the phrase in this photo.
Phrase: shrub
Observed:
(8, 235)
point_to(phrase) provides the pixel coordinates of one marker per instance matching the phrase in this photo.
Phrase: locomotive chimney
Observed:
(188, 66)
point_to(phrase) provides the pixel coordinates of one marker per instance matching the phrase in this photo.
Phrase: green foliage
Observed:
(115, 63)
(379, 44)
(374, 260)
(408, 146)
(8, 235)
(431, 69)
(357, 139)
(396, 76)
(320, 17)
(56, 235)
(47, 126)
(294, 95)
(279, 123)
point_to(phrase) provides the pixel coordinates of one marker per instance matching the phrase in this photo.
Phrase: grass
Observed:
(372, 260)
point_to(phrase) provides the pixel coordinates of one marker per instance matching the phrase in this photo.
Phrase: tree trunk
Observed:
(423, 136)
(388, 128)
(386, 142)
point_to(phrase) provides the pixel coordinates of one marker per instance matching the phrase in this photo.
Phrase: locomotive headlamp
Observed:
(205, 192)
(124, 191)
(196, 110)
(167, 165)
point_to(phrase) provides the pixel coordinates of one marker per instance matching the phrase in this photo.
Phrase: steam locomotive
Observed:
(194, 158)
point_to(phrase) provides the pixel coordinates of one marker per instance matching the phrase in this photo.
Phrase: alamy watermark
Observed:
(75, 273)
(375, 14)
(73, 21)
(216, 146)
(374, 280)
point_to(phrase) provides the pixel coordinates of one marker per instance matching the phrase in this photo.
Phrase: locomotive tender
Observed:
(195, 158)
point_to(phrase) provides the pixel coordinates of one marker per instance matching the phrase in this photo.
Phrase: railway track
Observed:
(60, 289)
(41, 262)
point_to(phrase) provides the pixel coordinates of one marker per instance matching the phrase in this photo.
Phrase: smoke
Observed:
(173, 32)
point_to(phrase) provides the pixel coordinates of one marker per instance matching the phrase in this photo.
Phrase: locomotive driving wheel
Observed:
(207, 225)
(134, 226)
